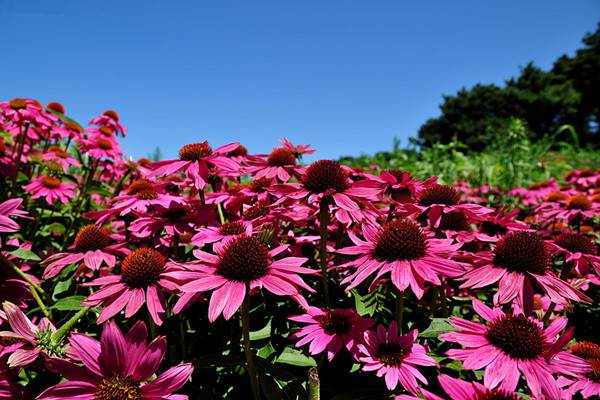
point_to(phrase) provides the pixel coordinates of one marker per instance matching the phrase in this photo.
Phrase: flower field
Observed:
(227, 274)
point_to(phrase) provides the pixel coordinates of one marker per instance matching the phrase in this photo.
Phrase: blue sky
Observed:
(345, 76)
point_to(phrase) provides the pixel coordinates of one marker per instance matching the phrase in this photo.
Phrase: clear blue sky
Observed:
(346, 76)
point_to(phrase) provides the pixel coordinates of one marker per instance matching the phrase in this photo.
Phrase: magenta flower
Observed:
(394, 356)
(280, 164)
(51, 189)
(403, 249)
(510, 345)
(519, 260)
(30, 340)
(117, 367)
(56, 155)
(10, 208)
(463, 390)
(143, 278)
(330, 330)
(578, 250)
(576, 206)
(196, 160)
(498, 224)
(245, 264)
(535, 192)
(110, 119)
(587, 384)
(400, 185)
(224, 233)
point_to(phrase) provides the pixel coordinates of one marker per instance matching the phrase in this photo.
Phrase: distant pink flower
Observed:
(577, 249)
(196, 160)
(57, 155)
(583, 178)
(100, 147)
(110, 119)
(519, 260)
(511, 345)
(576, 206)
(243, 264)
(31, 340)
(176, 219)
(330, 330)
(587, 384)
(496, 225)
(144, 276)
(298, 150)
(226, 232)
(403, 249)
(10, 208)
(280, 164)
(401, 186)
(394, 356)
(51, 189)
(93, 245)
(117, 367)
(535, 192)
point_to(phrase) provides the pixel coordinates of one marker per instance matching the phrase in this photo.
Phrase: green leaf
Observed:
(72, 303)
(24, 254)
(365, 305)
(262, 333)
(265, 351)
(61, 287)
(437, 327)
(295, 357)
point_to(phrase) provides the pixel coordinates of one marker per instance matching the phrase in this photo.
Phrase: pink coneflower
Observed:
(330, 330)
(535, 192)
(29, 340)
(196, 160)
(511, 345)
(394, 355)
(225, 233)
(463, 390)
(577, 206)
(280, 164)
(143, 278)
(20, 110)
(583, 178)
(588, 385)
(577, 249)
(101, 147)
(57, 155)
(176, 219)
(117, 368)
(402, 248)
(245, 264)
(110, 119)
(93, 245)
(299, 150)
(498, 224)
(437, 200)
(9, 388)
(400, 185)
(518, 261)
(10, 208)
(51, 189)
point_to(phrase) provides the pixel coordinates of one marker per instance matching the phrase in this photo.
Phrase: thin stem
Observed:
(7, 263)
(63, 330)
(247, 348)
(40, 303)
(400, 309)
(324, 222)
(221, 216)
(202, 198)
(313, 384)
(549, 312)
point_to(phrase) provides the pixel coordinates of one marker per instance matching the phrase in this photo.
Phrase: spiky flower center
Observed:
(579, 202)
(522, 252)
(244, 259)
(586, 350)
(195, 151)
(138, 185)
(556, 196)
(334, 322)
(142, 268)
(117, 388)
(399, 174)
(54, 106)
(112, 114)
(58, 152)
(280, 157)
(594, 374)
(517, 336)
(106, 130)
(575, 243)
(258, 210)
(92, 237)
(454, 221)
(238, 151)
(324, 175)
(492, 228)
(18, 104)
(400, 240)
(439, 194)
(259, 184)
(539, 185)
(104, 144)
(391, 354)
(232, 228)
(50, 182)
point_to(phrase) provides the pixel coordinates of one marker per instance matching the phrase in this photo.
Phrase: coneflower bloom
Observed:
(330, 330)
(576, 206)
(394, 356)
(51, 189)
(196, 160)
(280, 164)
(110, 119)
(437, 200)
(29, 340)
(93, 245)
(20, 110)
(588, 384)
(535, 192)
(57, 155)
(403, 249)
(400, 185)
(224, 233)
(518, 261)
(143, 278)
(118, 367)
(8, 209)
(583, 178)
(510, 345)
(176, 219)
(299, 150)
(243, 264)
(463, 390)
(9, 388)
(578, 250)
(498, 224)
(327, 178)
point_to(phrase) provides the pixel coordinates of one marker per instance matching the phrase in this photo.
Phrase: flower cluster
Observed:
(261, 263)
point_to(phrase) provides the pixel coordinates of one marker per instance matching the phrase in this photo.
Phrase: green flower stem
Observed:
(400, 309)
(313, 384)
(247, 348)
(221, 216)
(7, 263)
(63, 330)
(324, 222)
